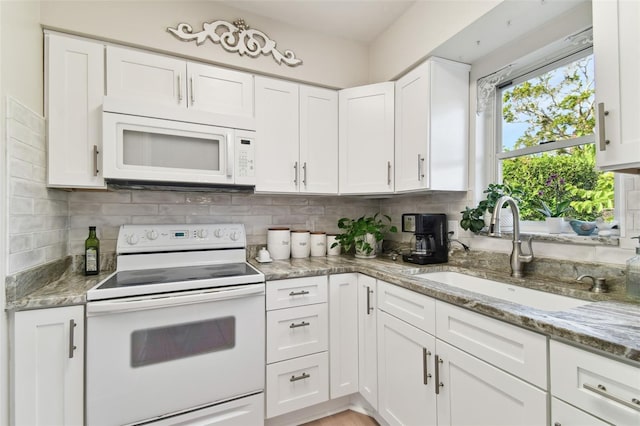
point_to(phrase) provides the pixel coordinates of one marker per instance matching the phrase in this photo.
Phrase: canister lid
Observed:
(300, 230)
(279, 228)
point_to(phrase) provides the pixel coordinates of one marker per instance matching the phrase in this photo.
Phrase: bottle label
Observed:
(92, 260)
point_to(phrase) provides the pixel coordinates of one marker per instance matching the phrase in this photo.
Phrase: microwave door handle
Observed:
(230, 155)
(117, 306)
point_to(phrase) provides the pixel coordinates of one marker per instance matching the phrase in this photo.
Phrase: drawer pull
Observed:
(438, 383)
(300, 377)
(302, 324)
(602, 391)
(298, 293)
(369, 293)
(426, 375)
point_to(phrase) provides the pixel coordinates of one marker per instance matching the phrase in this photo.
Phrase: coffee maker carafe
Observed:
(430, 230)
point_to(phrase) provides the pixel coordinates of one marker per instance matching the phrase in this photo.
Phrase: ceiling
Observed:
(359, 20)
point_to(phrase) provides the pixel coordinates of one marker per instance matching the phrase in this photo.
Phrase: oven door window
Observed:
(162, 344)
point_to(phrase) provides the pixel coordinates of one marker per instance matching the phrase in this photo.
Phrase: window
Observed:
(546, 141)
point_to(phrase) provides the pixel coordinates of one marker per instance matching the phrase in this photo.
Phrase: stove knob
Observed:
(202, 233)
(233, 236)
(152, 235)
(218, 233)
(132, 239)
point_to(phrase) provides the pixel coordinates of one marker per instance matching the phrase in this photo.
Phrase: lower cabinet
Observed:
(48, 366)
(343, 335)
(368, 339)
(563, 414)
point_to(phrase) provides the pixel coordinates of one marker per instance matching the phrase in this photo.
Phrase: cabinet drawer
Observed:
(297, 383)
(563, 414)
(596, 384)
(296, 292)
(414, 308)
(296, 332)
(513, 349)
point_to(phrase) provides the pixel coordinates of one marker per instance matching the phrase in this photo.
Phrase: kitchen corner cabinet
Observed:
(366, 132)
(432, 127)
(297, 129)
(74, 89)
(343, 335)
(616, 31)
(368, 339)
(160, 80)
(48, 366)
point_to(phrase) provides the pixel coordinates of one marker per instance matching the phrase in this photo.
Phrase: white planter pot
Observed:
(371, 239)
(506, 219)
(554, 225)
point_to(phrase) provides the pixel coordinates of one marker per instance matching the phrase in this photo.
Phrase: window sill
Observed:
(564, 238)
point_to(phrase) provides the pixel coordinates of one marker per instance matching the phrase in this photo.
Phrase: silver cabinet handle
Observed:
(369, 293)
(420, 168)
(72, 346)
(298, 293)
(603, 142)
(438, 383)
(179, 88)
(426, 375)
(602, 391)
(230, 155)
(95, 160)
(302, 324)
(304, 173)
(300, 377)
(295, 173)
(557, 424)
(389, 173)
(192, 91)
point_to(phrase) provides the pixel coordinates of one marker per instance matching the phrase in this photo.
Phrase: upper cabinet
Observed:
(74, 89)
(432, 127)
(297, 132)
(616, 31)
(366, 139)
(134, 76)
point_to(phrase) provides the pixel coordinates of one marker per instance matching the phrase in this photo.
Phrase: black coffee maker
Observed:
(430, 230)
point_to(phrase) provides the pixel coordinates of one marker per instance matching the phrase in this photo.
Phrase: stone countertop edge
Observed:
(610, 326)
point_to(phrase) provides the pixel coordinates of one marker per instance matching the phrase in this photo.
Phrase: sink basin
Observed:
(523, 296)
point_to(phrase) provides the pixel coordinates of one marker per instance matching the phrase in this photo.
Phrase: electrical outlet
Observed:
(452, 226)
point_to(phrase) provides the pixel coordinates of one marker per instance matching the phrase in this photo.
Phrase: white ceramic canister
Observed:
(335, 251)
(300, 243)
(279, 243)
(318, 243)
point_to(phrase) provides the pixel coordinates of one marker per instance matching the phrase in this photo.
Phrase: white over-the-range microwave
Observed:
(173, 149)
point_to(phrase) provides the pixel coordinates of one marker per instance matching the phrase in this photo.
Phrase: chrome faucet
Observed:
(517, 258)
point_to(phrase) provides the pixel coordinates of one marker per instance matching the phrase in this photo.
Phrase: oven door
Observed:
(154, 356)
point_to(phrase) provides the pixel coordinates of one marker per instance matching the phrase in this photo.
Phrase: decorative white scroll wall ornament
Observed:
(487, 87)
(236, 37)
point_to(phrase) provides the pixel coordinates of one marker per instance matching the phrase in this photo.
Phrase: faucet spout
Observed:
(518, 259)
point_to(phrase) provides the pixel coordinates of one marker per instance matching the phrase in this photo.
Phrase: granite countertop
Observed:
(611, 323)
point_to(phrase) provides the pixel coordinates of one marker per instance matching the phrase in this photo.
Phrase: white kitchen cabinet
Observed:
(366, 132)
(432, 127)
(48, 367)
(367, 339)
(74, 89)
(414, 308)
(159, 80)
(616, 31)
(296, 292)
(604, 387)
(563, 414)
(472, 392)
(343, 334)
(297, 129)
(405, 362)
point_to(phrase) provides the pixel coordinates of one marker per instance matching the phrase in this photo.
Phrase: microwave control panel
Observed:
(246, 159)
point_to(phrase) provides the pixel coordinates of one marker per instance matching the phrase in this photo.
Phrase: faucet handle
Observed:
(526, 258)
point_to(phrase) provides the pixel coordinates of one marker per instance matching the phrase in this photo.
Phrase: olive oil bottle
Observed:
(92, 253)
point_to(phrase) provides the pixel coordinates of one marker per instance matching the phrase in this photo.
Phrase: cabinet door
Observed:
(563, 414)
(318, 140)
(367, 339)
(472, 392)
(343, 334)
(146, 77)
(48, 363)
(366, 139)
(220, 91)
(616, 31)
(74, 92)
(405, 360)
(277, 166)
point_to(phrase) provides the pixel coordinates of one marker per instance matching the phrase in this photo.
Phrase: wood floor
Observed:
(345, 418)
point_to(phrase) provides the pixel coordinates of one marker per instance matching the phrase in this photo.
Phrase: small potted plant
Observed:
(473, 219)
(363, 234)
(557, 205)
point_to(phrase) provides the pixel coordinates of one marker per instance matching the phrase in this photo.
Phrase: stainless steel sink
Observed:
(523, 296)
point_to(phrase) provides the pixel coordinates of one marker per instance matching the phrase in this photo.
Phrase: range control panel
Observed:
(158, 238)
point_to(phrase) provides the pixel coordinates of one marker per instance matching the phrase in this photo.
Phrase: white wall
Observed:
(329, 61)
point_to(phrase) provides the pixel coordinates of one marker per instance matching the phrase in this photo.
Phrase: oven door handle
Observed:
(154, 302)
